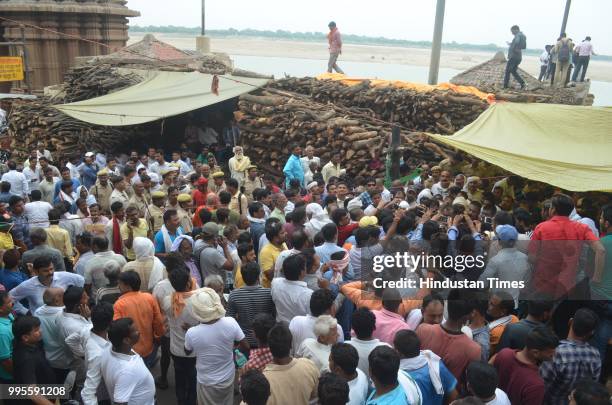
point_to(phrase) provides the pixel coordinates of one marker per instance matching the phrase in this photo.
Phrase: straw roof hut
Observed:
(489, 76)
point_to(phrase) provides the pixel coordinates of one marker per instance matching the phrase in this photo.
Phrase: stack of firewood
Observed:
(271, 120)
(438, 111)
(37, 121)
(90, 81)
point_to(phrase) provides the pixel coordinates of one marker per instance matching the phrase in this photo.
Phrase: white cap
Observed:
(89, 154)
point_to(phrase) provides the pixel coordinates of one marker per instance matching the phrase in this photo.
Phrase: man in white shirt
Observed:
(544, 59)
(127, 379)
(290, 294)
(585, 50)
(363, 323)
(302, 326)
(32, 174)
(213, 342)
(159, 164)
(73, 166)
(42, 152)
(56, 351)
(443, 185)
(44, 277)
(482, 381)
(343, 361)
(94, 277)
(75, 319)
(308, 160)
(38, 211)
(96, 345)
(18, 181)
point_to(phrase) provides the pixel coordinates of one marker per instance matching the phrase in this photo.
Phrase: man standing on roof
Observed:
(515, 56)
(335, 48)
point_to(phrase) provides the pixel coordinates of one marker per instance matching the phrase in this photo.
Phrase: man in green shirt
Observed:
(280, 201)
(6, 338)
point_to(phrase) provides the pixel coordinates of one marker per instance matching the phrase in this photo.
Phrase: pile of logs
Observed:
(90, 81)
(36, 121)
(271, 120)
(355, 121)
(438, 111)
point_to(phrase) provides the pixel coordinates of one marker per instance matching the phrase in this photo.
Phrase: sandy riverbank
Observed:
(460, 60)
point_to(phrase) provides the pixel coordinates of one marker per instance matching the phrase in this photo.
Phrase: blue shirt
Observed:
(293, 170)
(428, 392)
(6, 343)
(58, 186)
(11, 279)
(395, 397)
(160, 247)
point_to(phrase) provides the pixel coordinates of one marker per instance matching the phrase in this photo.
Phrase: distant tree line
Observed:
(320, 36)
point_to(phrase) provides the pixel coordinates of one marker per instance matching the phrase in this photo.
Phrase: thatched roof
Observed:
(151, 53)
(489, 76)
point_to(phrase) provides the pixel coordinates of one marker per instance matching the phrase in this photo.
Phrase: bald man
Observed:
(56, 351)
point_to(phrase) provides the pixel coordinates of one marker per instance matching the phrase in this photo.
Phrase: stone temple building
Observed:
(50, 54)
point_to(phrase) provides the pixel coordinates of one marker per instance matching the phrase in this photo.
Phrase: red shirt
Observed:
(345, 231)
(199, 198)
(456, 349)
(522, 382)
(557, 245)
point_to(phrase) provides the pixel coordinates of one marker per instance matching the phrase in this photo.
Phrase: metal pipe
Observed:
(203, 17)
(436, 45)
(568, 3)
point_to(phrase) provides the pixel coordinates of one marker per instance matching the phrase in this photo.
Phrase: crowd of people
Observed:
(556, 61)
(264, 290)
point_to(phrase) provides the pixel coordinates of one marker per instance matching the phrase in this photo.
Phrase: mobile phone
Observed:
(443, 219)
(488, 220)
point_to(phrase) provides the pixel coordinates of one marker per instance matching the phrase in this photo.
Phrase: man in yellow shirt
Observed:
(276, 236)
(132, 228)
(247, 255)
(57, 237)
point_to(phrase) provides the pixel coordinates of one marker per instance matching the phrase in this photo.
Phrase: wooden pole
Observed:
(568, 3)
(436, 45)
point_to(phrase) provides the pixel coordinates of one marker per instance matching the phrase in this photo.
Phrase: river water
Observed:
(279, 67)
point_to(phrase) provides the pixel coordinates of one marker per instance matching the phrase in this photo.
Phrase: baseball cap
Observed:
(506, 232)
(210, 228)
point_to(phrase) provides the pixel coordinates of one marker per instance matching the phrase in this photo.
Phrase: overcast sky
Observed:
(470, 21)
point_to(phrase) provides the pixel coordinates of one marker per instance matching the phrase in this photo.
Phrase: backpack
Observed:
(564, 52)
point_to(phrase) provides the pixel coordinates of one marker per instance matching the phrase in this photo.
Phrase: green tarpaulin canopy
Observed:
(159, 95)
(567, 146)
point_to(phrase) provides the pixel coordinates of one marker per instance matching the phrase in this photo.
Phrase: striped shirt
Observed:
(246, 302)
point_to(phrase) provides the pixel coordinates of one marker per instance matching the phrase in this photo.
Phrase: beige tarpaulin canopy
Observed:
(159, 95)
(567, 146)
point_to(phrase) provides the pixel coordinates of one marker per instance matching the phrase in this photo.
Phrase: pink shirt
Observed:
(387, 325)
(335, 42)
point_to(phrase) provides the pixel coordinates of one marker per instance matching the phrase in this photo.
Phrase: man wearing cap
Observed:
(88, 170)
(510, 264)
(102, 190)
(156, 210)
(251, 182)
(199, 195)
(167, 179)
(184, 212)
(213, 342)
(119, 194)
(140, 200)
(212, 262)
(218, 183)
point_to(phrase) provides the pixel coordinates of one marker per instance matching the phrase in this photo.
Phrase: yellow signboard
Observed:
(11, 68)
